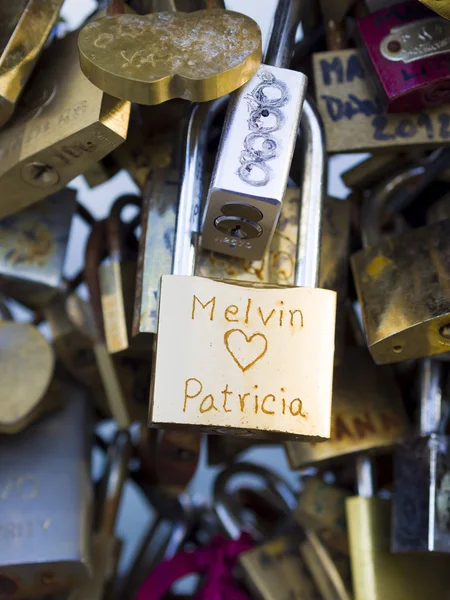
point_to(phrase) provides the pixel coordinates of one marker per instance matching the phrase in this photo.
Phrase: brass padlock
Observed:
(280, 319)
(401, 281)
(105, 545)
(33, 247)
(442, 8)
(118, 279)
(46, 501)
(63, 125)
(367, 414)
(378, 574)
(26, 26)
(256, 150)
(420, 504)
(195, 56)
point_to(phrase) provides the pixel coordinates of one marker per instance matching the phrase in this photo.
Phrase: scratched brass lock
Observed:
(367, 414)
(195, 56)
(33, 247)
(442, 8)
(46, 501)
(211, 326)
(26, 25)
(62, 126)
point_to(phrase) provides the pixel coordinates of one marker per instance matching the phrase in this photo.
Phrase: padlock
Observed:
(401, 281)
(63, 125)
(126, 378)
(367, 414)
(369, 172)
(118, 280)
(442, 8)
(105, 545)
(376, 573)
(274, 309)
(321, 508)
(407, 51)
(101, 171)
(33, 247)
(197, 56)
(256, 150)
(27, 365)
(420, 508)
(26, 26)
(147, 6)
(46, 501)
(353, 116)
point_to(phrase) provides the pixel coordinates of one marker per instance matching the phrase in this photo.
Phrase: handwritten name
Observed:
(232, 401)
(234, 314)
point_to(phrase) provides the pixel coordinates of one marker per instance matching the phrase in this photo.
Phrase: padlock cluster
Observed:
(239, 295)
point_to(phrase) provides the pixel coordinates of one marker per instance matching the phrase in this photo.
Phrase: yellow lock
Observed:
(442, 7)
(63, 125)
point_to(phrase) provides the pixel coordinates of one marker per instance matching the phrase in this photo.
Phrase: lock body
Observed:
(367, 414)
(33, 249)
(405, 320)
(421, 499)
(235, 353)
(407, 50)
(63, 125)
(26, 25)
(253, 162)
(46, 502)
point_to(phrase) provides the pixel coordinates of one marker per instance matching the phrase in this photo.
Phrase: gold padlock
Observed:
(33, 247)
(63, 125)
(367, 414)
(26, 26)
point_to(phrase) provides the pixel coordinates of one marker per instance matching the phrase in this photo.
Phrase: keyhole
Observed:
(236, 232)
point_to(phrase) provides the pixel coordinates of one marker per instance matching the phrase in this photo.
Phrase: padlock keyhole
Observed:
(238, 232)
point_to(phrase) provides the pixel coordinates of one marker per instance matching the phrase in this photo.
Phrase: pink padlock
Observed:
(407, 46)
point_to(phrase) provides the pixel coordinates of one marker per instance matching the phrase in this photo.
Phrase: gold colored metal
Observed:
(63, 125)
(26, 369)
(442, 7)
(367, 414)
(33, 247)
(380, 575)
(275, 570)
(336, 10)
(101, 172)
(25, 27)
(403, 285)
(372, 170)
(321, 507)
(149, 59)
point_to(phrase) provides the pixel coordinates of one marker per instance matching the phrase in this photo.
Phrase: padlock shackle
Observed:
(365, 476)
(431, 396)
(312, 194)
(282, 39)
(115, 227)
(94, 253)
(187, 227)
(116, 472)
(227, 508)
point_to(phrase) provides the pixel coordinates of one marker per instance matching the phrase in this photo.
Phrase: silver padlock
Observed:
(256, 149)
(421, 501)
(46, 502)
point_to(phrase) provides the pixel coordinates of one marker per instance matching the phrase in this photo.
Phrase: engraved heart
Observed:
(152, 58)
(245, 350)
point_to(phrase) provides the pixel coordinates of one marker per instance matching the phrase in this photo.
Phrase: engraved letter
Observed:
(242, 400)
(211, 314)
(292, 313)
(364, 426)
(233, 310)
(341, 430)
(208, 407)
(265, 321)
(268, 412)
(186, 388)
(226, 392)
(299, 409)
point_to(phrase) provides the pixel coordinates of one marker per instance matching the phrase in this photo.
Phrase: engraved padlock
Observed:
(420, 508)
(26, 26)
(118, 279)
(407, 50)
(256, 150)
(353, 117)
(33, 247)
(376, 572)
(46, 501)
(403, 320)
(225, 338)
(63, 125)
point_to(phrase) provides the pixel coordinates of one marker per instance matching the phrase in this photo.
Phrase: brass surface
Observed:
(403, 285)
(442, 7)
(367, 414)
(25, 27)
(26, 369)
(63, 125)
(380, 575)
(152, 58)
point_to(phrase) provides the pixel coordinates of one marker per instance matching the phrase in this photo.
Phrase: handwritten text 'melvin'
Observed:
(278, 316)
